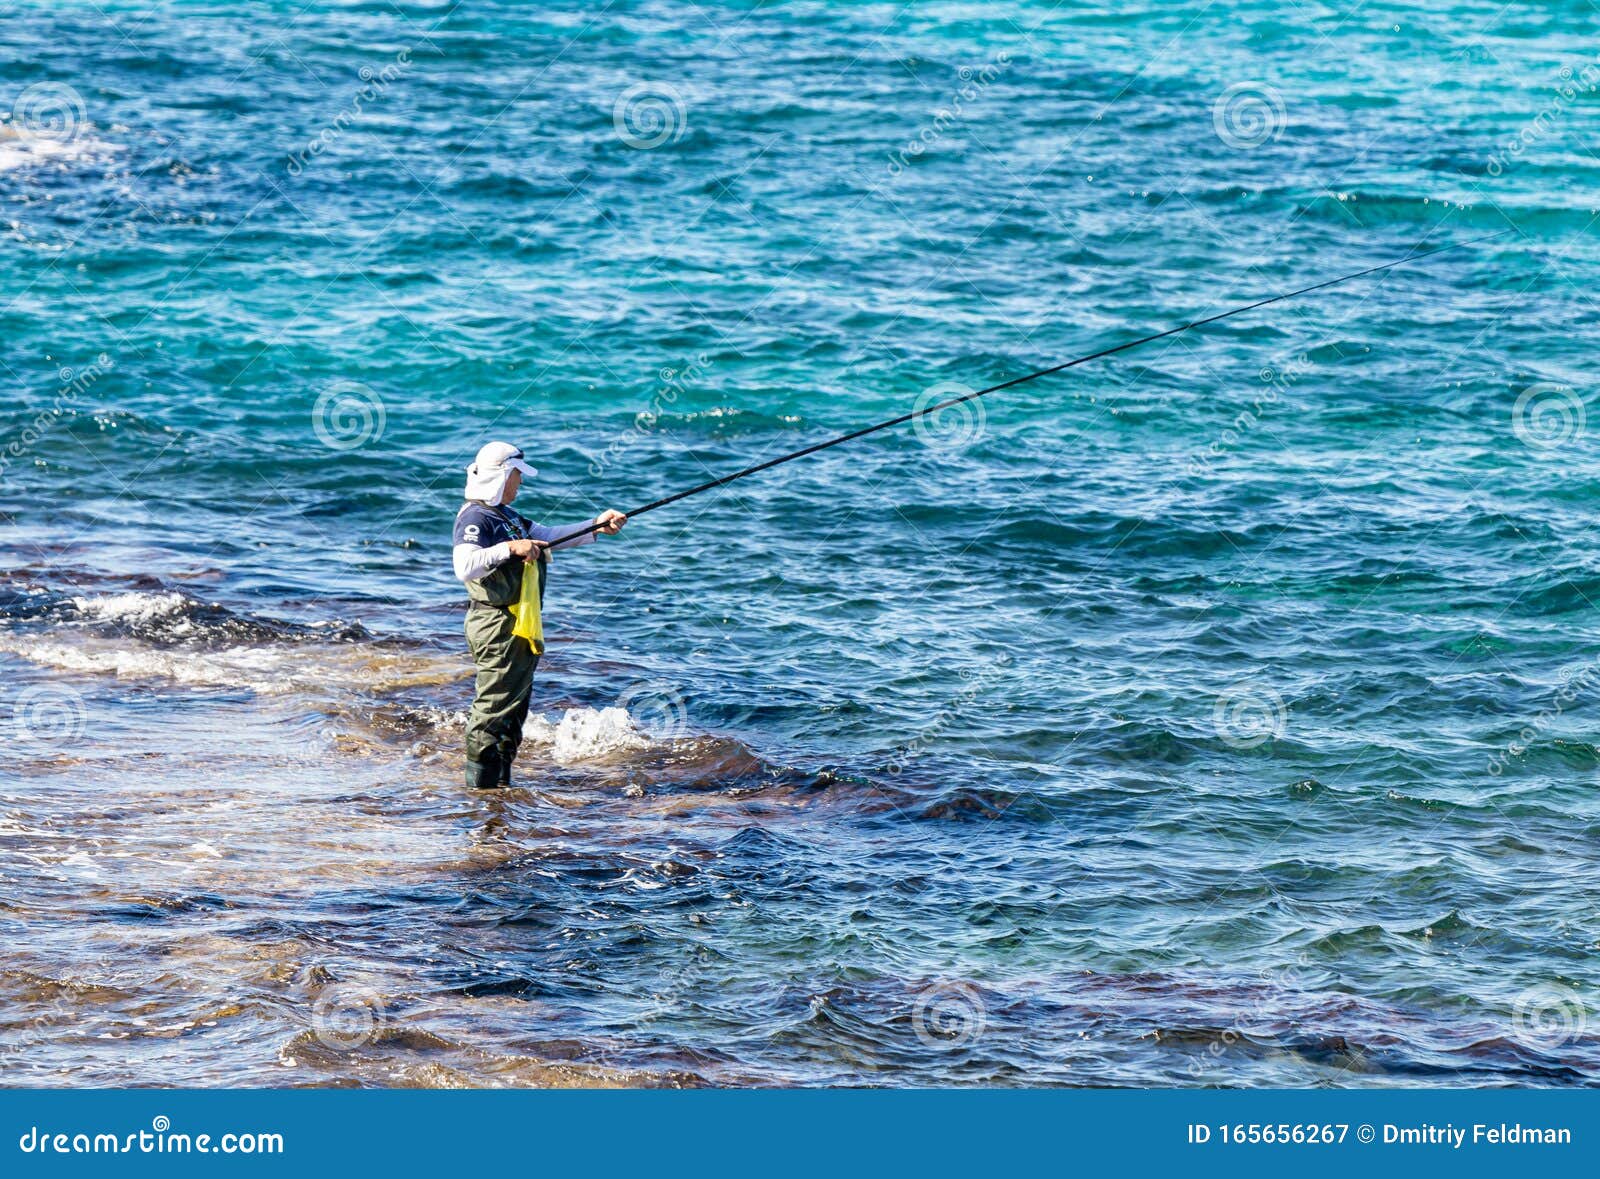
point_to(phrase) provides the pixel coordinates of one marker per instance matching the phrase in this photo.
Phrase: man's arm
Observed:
(610, 520)
(473, 561)
(546, 533)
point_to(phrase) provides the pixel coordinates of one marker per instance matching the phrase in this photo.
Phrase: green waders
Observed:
(504, 684)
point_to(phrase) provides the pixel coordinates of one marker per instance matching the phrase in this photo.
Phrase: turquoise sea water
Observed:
(1222, 713)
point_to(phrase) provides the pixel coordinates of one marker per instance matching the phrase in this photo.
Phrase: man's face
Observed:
(512, 483)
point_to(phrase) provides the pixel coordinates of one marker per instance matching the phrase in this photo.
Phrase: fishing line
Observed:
(1033, 376)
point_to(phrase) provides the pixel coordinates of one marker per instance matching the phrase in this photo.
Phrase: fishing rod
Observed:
(1026, 377)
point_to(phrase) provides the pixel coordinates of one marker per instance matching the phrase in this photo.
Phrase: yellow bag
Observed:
(526, 622)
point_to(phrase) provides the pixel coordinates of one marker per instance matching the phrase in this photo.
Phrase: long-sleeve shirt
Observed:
(483, 535)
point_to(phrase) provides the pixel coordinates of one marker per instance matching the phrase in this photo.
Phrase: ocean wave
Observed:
(165, 617)
(724, 421)
(268, 670)
(160, 633)
(587, 734)
(372, 693)
(1380, 210)
(387, 1050)
(21, 149)
(602, 752)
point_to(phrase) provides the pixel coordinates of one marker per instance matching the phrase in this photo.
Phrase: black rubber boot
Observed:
(505, 771)
(486, 774)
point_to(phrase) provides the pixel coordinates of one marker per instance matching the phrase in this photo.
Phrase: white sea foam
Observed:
(21, 149)
(132, 606)
(261, 669)
(270, 670)
(587, 734)
(576, 736)
(444, 720)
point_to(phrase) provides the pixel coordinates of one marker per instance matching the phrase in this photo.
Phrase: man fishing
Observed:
(495, 548)
(492, 542)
